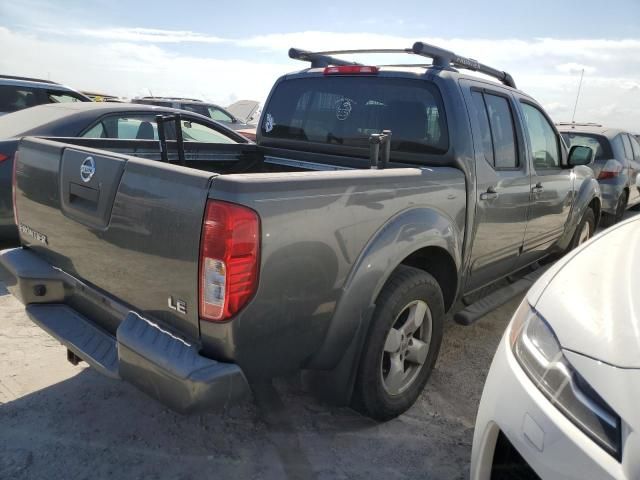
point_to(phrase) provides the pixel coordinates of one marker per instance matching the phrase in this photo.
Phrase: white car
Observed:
(562, 398)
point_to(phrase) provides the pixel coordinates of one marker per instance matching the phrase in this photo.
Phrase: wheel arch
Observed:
(423, 238)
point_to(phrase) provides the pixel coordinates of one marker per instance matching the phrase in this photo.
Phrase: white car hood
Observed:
(591, 299)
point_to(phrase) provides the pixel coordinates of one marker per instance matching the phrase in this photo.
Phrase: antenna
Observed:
(573, 117)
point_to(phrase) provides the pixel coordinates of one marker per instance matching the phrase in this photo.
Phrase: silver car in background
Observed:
(616, 165)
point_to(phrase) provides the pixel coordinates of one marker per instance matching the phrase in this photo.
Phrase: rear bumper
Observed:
(141, 352)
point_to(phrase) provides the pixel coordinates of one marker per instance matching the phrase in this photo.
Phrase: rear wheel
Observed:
(402, 345)
(621, 207)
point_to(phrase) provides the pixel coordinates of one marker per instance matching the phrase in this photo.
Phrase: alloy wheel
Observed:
(406, 347)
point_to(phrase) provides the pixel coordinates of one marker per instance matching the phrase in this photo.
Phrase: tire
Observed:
(588, 220)
(403, 298)
(621, 207)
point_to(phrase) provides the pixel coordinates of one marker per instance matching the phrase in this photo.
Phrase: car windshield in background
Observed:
(347, 110)
(599, 144)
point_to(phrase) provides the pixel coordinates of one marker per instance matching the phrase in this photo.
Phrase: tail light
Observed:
(351, 70)
(611, 169)
(14, 188)
(3, 157)
(229, 256)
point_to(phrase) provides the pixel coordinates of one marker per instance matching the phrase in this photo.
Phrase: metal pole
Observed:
(573, 117)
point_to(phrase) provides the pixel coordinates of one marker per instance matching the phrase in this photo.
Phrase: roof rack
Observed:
(441, 58)
(28, 79)
(172, 98)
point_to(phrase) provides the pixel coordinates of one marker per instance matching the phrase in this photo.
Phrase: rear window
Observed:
(598, 143)
(345, 111)
(13, 98)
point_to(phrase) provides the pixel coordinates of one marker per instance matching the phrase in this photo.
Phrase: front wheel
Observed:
(585, 229)
(402, 346)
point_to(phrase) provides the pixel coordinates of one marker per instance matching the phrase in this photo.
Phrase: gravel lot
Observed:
(61, 421)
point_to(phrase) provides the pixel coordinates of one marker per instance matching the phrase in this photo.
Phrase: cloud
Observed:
(150, 35)
(134, 61)
(130, 69)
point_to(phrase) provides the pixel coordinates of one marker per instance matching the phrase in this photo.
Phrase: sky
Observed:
(224, 51)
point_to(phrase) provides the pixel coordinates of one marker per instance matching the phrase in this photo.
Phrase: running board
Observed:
(485, 305)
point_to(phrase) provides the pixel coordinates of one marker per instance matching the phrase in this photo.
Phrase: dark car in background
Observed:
(616, 165)
(93, 120)
(17, 93)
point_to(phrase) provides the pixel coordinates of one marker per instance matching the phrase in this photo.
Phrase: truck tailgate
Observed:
(128, 226)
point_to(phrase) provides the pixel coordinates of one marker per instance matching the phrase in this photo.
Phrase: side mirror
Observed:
(580, 155)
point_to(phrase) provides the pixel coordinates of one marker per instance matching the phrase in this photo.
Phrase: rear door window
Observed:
(628, 152)
(346, 110)
(483, 122)
(13, 98)
(497, 131)
(502, 131)
(635, 145)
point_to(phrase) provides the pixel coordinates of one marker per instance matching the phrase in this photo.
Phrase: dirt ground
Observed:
(61, 421)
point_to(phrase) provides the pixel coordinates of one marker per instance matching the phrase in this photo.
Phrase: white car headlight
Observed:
(539, 353)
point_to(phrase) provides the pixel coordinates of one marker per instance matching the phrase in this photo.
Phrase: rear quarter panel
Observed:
(322, 234)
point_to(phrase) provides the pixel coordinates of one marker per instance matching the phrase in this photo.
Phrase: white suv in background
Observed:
(561, 398)
(17, 93)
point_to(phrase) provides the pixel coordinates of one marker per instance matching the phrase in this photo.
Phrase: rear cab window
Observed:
(344, 111)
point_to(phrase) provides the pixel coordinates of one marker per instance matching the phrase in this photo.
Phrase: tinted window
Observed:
(635, 145)
(627, 147)
(599, 144)
(16, 98)
(346, 110)
(502, 132)
(197, 132)
(62, 97)
(483, 121)
(219, 115)
(195, 108)
(542, 138)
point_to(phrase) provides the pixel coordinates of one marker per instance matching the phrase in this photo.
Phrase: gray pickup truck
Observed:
(376, 200)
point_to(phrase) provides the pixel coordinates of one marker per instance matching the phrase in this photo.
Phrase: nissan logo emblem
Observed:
(87, 169)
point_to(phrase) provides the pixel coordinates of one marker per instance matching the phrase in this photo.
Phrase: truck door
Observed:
(502, 181)
(551, 184)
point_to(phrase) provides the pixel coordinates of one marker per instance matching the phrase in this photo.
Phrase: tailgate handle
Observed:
(86, 196)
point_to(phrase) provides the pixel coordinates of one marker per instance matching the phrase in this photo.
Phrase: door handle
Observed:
(538, 188)
(490, 194)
